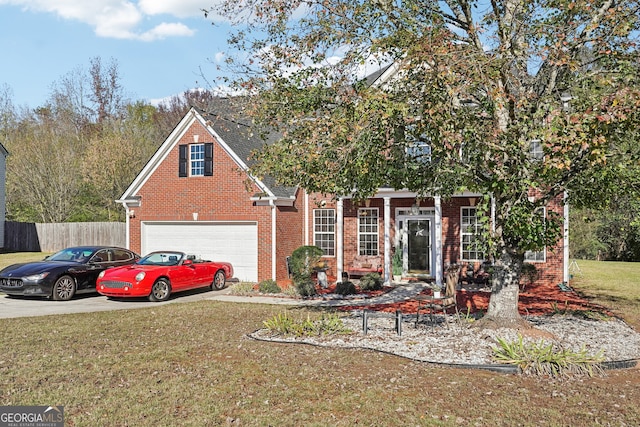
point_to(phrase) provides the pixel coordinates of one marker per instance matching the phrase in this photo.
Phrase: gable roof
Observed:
(233, 131)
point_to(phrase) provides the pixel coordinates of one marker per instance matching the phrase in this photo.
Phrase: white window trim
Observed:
(376, 233)
(316, 233)
(462, 234)
(192, 161)
(536, 151)
(529, 255)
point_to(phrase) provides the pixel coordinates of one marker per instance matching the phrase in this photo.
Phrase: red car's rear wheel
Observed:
(219, 280)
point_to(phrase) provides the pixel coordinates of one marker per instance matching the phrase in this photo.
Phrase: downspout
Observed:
(565, 243)
(339, 239)
(273, 240)
(439, 262)
(387, 240)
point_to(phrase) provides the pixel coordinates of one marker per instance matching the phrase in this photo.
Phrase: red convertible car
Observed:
(158, 274)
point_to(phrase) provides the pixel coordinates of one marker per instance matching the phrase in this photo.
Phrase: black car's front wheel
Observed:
(160, 290)
(64, 288)
(219, 280)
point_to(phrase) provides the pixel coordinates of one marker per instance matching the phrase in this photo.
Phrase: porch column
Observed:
(387, 240)
(127, 216)
(439, 262)
(305, 238)
(565, 257)
(339, 239)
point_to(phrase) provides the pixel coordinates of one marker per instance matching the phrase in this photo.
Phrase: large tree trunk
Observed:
(505, 289)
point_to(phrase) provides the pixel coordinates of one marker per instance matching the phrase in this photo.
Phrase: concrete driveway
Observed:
(11, 307)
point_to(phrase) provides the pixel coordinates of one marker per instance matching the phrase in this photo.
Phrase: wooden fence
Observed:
(36, 237)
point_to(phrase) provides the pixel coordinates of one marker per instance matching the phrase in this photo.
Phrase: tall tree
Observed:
(114, 157)
(43, 170)
(481, 82)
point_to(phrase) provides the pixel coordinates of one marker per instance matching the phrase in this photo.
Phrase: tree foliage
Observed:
(72, 157)
(479, 81)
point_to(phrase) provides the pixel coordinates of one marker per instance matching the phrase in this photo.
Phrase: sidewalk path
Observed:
(400, 293)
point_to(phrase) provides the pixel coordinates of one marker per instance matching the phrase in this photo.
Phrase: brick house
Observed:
(196, 195)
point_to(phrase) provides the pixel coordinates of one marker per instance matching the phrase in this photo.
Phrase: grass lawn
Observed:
(191, 364)
(613, 284)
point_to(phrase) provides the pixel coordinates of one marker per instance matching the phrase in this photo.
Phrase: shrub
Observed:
(371, 282)
(546, 359)
(346, 288)
(269, 286)
(285, 324)
(303, 261)
(242, 288)
(529, 274)
(305, 287)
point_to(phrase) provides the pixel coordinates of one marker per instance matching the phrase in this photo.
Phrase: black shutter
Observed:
(183, 160)
(208, 159)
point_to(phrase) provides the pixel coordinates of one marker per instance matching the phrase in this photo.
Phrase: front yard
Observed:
(192, 364)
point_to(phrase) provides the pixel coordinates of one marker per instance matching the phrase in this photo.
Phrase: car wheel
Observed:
(160, 290)
(219, 281)
(64, 289)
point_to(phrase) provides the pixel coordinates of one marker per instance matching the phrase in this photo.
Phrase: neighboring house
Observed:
(196, 195)
(3, 191)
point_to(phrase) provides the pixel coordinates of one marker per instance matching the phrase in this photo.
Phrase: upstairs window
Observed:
(195, 160)
(535, 150)
(368, 231)
(420, 151)
(418, 147)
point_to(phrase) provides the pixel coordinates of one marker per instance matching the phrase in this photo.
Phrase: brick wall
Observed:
(221, 197)
(549, 272)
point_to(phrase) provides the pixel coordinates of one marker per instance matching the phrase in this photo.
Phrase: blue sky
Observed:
(160, 46)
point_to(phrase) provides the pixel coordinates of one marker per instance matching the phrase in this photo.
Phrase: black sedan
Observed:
(63, 274)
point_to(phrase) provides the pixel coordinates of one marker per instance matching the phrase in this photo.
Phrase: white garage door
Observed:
(234, 242)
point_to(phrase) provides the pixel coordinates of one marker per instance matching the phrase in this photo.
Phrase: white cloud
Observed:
(179, 8)
(165, 30)
(219, 57)
(121, 19)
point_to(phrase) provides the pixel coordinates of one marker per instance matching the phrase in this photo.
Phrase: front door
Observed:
(418, 245)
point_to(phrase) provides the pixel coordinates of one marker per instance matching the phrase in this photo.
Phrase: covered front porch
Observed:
(416, 227)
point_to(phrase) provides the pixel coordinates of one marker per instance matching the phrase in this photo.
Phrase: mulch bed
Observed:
(534, 301)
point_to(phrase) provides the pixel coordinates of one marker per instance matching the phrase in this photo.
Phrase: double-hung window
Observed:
(537, 256)
(324, 230)
(418, 147)
(368, 231)
(470, 229)
(196, 159)
(536, 152)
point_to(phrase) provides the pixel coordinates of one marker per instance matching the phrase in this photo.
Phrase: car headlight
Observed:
(140, 276)
(36, 277)
(101, 275)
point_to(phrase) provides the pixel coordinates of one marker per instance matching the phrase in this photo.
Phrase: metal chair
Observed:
(442, 303)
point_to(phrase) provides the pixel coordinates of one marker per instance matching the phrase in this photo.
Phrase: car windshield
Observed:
(71, 254)
(162, 258)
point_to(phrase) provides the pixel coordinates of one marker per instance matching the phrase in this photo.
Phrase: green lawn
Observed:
(191, 364)
(17, 257)
(613, 284)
